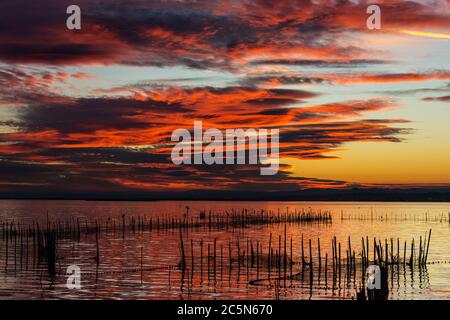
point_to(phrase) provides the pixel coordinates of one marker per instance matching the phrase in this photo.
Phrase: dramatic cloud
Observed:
(290, 78)
(320, 63)
(79, 131)
(392, 77)
(442, 99)
(126, 141)
(212, 34)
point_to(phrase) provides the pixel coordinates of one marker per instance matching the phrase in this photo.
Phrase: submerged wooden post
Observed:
(398, 251)
(404, 254)
(269, 262)
(339, 262)
(363, 254)
(192, 258)
(326, 268)
(209, 256)
(285, 253)
(201, 260)
(320, 258)
(303, 253)
(428, 247)
(310, 255)
(332, 251)
(291, 260)
(420, 251)
(214, 261)
(183, 259)
(97, 258)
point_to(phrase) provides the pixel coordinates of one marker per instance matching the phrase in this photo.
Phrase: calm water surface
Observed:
(143, 265)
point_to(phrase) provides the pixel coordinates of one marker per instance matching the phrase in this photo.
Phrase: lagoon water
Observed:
(145, 265)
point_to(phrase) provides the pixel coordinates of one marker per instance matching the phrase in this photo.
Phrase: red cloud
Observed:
(213, 34)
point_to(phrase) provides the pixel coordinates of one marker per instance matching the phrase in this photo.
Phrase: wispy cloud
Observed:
(276, 57)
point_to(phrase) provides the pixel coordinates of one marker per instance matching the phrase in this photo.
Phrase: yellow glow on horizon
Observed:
(425, 34)
(375, 163)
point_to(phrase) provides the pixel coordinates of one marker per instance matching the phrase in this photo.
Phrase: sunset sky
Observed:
(92, 110)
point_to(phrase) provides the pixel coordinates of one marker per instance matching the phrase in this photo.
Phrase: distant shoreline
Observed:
(430, 194)
(400, 200)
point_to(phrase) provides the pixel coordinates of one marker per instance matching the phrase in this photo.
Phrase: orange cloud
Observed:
(393, 77)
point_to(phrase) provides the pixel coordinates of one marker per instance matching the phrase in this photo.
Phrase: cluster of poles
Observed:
(396, 217)
(37, 244)
(74, 228)
(38, 240)
(389, 253)
(278, 261)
